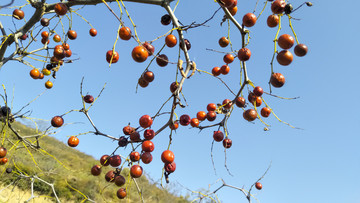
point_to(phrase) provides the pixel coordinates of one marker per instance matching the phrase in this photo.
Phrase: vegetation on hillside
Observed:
(69, 172)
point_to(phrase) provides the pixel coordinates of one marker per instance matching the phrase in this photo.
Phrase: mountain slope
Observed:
(69, 171)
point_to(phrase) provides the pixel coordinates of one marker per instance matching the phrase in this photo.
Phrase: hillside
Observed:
(69, 171)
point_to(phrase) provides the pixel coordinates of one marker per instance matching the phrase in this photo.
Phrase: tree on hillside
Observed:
(40, 36)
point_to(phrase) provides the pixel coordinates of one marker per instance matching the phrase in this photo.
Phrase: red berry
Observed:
(185, 120)
(170, 168)
(211, 116)
(258, 91)
(249, 19)
(89, 99)
(115, 161)
(146, 157)
(104, 160)
(258, 185)
(149, 134)
(167, 156)
(134, 156)
(227, 143)
(145, 121)
(148, 146)
(96, 170)
(136, 171)
(218, 136)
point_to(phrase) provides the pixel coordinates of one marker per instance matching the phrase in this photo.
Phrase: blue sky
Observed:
(319, 163)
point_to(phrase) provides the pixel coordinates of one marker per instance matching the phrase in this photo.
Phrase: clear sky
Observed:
(319, 163)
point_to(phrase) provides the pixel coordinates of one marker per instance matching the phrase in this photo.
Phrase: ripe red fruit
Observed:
(174, 86)
(136, 171)
(201, 115)
(162, 60)
(286, 41)
(170, 40)
(3, 161)
(277, 80)
(146, 157)
(18, 14)
(273, 20)
(110, 176)
(66, 46)
(121, 193)
(167, 156)
(185, 120)
(41, 75)
(218, 136)
(253, 98)
(93, 32)
(249, 19)
(149, 134)
(244, 54)
(3, 152)
(35, 73)
(57, 38)
(145, 121)
(229, 3)
(61, 9)
(96, 170)
(73, 141)
(211, 116)
(250, 115)
(149, 47)
(228, 103)
(284, 57)
(225, 69)
(135, 136)
(258, 185)
(258, 91)
(125, 33)
(187, 44)
(174, 126)
(228, 58)
(224, 42)
(57, 121)
(72, 34)
(148, 146)
(139, 54)
(227, 143)
(216, 71)
(211, 107)
(300, 50)
(112, 56)
(170, 168)
(68, 53)
(119, 180)
(88, 99)
(142, 82)
(233, 10)
(115, 160)
(194, 122)
(45, 34)
(104, 160)
(265, 112)
(278, 6)
(134, 156)
(24, 36)
(148, 76)
(127, 130)
(45, 41)
(59, 53)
